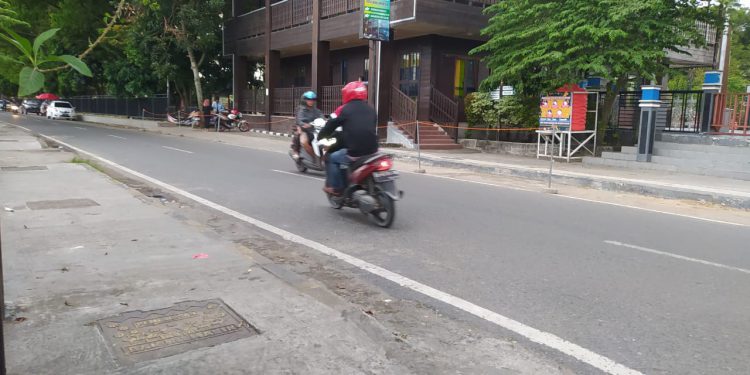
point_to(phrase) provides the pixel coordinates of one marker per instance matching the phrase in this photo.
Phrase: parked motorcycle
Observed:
(232, 120)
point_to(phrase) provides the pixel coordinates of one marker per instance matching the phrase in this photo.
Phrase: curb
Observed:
(649, 188)
(266, 132)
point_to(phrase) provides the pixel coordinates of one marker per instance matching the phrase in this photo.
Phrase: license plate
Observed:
(385, 176)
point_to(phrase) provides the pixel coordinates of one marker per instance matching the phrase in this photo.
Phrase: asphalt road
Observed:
(654, 292)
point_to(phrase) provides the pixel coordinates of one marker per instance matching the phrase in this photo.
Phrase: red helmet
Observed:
(354, 91)
(235, 111)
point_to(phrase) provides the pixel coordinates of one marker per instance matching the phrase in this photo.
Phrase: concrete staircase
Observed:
(433, 137)
(727, 157)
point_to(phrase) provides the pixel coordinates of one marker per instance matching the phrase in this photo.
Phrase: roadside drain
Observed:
(19, 169)
(61, 204)
(138, 336)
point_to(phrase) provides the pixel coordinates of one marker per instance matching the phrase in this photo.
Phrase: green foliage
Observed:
(739, 62)
(539, 45)
(31, 76)
(509, 111)
(8, 16)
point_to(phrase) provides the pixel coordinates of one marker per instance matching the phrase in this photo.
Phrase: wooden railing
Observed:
(331, 98)
(444, 111)
(291, 13)
(404, 112)
(247, 26)
(476, 3)
(708, 31)
(333, 8)
(252, 101)
(286, 100)
(731, 114)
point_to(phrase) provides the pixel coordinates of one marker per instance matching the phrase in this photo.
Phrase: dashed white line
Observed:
(540, 337)
(78, 127)
(298, 175)
(677, 256)
(115, 136)
(178, 149)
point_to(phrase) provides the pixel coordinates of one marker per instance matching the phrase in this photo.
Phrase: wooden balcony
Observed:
(291, 22)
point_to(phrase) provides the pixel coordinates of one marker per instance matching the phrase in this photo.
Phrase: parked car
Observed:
(61, 109)
(31, 106)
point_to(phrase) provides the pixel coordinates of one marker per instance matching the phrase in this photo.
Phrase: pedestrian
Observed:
(206, 112)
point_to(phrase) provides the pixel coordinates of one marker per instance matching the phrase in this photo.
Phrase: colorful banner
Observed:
(555, 110)
(376, 20)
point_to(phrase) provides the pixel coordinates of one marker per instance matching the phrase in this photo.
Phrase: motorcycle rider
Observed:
(303, 128)
(358, 121)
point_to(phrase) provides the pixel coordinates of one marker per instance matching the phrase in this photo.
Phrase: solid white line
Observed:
(115, 136)
(676, 256)
(586, 200)
(298, 175)
(540, 337)
(177, 149)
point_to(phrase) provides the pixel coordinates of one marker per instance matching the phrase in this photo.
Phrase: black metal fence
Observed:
(679, 112)
(149, 107)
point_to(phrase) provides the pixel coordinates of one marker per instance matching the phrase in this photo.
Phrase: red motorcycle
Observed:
(372, 189)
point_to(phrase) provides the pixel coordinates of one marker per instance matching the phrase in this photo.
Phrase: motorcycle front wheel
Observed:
(383, 216)
(244, 126)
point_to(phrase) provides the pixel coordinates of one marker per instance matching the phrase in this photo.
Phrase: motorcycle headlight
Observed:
(14, 107)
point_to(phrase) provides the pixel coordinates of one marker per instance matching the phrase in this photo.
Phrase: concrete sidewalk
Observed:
(90, 264)
(723, 191)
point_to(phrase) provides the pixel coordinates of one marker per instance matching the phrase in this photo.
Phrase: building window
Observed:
(300, 77)
(366, 71)
(409, 74)
(344, 72)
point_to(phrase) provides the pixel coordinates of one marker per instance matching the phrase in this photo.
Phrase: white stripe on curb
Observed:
(540, 337)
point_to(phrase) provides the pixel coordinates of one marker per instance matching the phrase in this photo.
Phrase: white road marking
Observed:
(586, 200)
(115, 136)
(177, 149)
(298, 175)
(540, 337)
(676, 256)
(78, 127)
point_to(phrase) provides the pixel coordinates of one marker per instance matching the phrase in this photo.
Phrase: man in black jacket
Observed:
(358, 121)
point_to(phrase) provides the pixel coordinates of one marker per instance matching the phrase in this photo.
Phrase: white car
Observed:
(62, 110)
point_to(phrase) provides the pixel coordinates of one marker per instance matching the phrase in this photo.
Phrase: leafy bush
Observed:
(509, 111)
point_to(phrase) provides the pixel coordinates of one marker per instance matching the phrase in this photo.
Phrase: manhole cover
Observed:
(29, 168)
(138, 336)
(61, 204)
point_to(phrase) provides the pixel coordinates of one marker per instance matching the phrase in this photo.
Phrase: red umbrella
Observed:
(47, 96)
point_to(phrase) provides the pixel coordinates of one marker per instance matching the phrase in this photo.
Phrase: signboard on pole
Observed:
(376, 20)
(555, 111)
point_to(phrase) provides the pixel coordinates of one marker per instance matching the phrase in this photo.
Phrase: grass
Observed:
(92, 164)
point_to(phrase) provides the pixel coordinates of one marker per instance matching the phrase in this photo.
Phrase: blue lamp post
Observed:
(649, 104)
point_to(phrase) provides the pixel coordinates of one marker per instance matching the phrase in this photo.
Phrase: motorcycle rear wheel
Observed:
(383, 216)
(243, 126)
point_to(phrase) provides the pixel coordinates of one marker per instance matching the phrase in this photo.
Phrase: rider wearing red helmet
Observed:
(358, 121)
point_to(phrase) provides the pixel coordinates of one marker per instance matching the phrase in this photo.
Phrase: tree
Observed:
(739, 62)
(539, 45)
(195, 27)
(35, 61)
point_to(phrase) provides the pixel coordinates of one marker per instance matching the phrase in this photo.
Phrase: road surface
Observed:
(653, 292)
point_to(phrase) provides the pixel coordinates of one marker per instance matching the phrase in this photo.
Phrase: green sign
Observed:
(376, 20)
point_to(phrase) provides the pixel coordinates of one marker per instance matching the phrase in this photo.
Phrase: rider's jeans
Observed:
(336, 177)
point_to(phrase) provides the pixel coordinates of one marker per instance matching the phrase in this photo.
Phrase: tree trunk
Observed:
(608, 105)
(196, 76)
